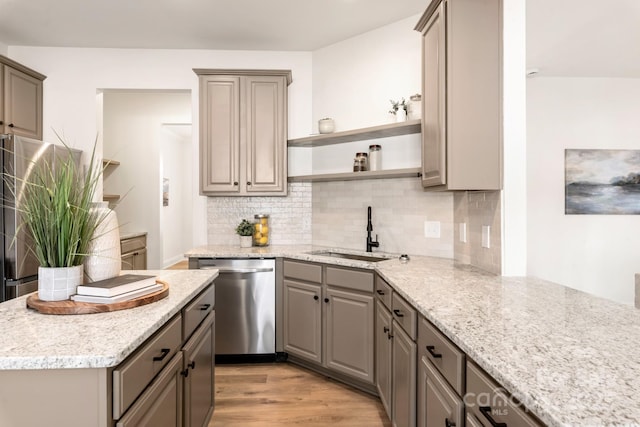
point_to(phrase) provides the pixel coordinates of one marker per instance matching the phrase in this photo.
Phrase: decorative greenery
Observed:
(396, 105)
(55, 205)
(245, 228)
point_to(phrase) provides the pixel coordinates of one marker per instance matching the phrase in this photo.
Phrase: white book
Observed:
(116, 285)
(118, 298)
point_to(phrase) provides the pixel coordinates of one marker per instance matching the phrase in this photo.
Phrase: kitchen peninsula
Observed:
(59, 370)
(569, 357)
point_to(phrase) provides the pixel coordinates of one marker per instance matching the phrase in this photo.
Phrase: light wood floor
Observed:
(283, 394)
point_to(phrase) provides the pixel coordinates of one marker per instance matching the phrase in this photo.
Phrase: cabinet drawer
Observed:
(483, 391)
(405, 315)
(132, 244)
(197, 311)
(443, 354)
(133, 375)
(350, 279)
(303, 271)
(383, 291)
(161, 403)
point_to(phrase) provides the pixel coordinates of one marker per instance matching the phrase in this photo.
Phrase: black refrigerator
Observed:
(18, 156)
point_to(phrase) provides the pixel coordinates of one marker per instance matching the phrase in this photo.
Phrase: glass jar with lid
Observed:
(363, 159)
(261, 230)
(375, 157)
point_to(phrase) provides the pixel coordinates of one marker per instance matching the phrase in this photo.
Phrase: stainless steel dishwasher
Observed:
(245, 307)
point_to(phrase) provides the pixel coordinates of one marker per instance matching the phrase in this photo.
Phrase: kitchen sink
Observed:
(356, 257)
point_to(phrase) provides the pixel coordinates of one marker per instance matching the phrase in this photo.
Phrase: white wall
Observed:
(175, 219)
(594, 253)
(74, 75)
(4, 49)
(353, 80)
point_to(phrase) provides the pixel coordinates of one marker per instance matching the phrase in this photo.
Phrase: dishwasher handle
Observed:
(237, 270)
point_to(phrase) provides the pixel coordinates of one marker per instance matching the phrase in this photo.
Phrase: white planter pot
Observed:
(104, 261)
(326, 126)
(246, 241)
(58, 283)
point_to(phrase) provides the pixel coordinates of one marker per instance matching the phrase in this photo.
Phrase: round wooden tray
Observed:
(73, 307)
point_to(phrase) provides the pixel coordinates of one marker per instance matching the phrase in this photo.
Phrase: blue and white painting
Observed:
(602, 182)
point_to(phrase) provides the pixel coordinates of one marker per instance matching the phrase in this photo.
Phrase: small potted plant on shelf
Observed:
(245, 231)
(399, 109)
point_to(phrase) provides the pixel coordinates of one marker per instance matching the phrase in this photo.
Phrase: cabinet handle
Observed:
(163, 354)
(397, 313)
(385, 330)
(1, 122)
(326, 300)
(248, 182)
(192, 365)
(380, 292)
(389, 336)
(10, 125)
(235, 183)
(431, 350)
(448, 423)
(185, 373)
(316, 297)
(205, 307)
(486, 411)
(136, 253)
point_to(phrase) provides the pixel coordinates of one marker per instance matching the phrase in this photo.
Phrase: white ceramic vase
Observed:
(326, 125)
(401, 115)
(103, 261)
(58, 283)
(246, 241)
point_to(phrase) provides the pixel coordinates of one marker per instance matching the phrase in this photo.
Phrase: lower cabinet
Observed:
(169, 381)
(403, 378)
(329, 319)
(384, 360)
(161, 403)
(134, 253)
(198, 373)
(438, 404)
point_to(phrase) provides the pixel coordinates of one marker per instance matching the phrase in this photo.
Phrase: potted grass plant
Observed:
(55, 203)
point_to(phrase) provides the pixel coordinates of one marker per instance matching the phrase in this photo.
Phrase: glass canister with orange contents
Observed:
(261, 230)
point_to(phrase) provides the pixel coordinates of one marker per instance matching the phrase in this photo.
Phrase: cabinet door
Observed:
(438, 404)
(404, 379)
(140, 259)
(265, 134)
(219, 134)
(161, 403)
(22, 104)
(199, 388)
(349, 334)
(303, 320)
(127, 261)
(383, 355)
(434, 147)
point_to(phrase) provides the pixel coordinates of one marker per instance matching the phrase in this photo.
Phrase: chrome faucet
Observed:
(370, 243)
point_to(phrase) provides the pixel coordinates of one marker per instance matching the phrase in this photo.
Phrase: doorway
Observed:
(149, 133)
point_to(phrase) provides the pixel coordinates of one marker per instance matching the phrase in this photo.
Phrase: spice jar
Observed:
(375, 157)
(363, 158)
(261, 230)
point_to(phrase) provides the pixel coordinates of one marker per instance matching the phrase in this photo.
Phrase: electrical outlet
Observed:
(486, 232)
(463, 232)
(432, 229)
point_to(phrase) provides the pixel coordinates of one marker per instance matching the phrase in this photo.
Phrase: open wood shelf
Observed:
(351, 176)
(383, 131)
(110, 197)
(110, 162)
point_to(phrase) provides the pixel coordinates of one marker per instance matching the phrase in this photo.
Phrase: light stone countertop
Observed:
(31, 340)
(573, 359)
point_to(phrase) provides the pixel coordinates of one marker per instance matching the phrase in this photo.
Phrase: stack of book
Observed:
(117, 289)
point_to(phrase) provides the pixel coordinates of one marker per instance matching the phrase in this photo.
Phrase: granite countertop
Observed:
(31, 340)
(573, 359)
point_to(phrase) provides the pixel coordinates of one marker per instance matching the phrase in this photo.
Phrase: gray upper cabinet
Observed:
(20, 99)
(462, 87)
(243, 132)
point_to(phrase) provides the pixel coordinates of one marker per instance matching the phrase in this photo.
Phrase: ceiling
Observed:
(293, 25)
(584, 38)
(579, 38)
